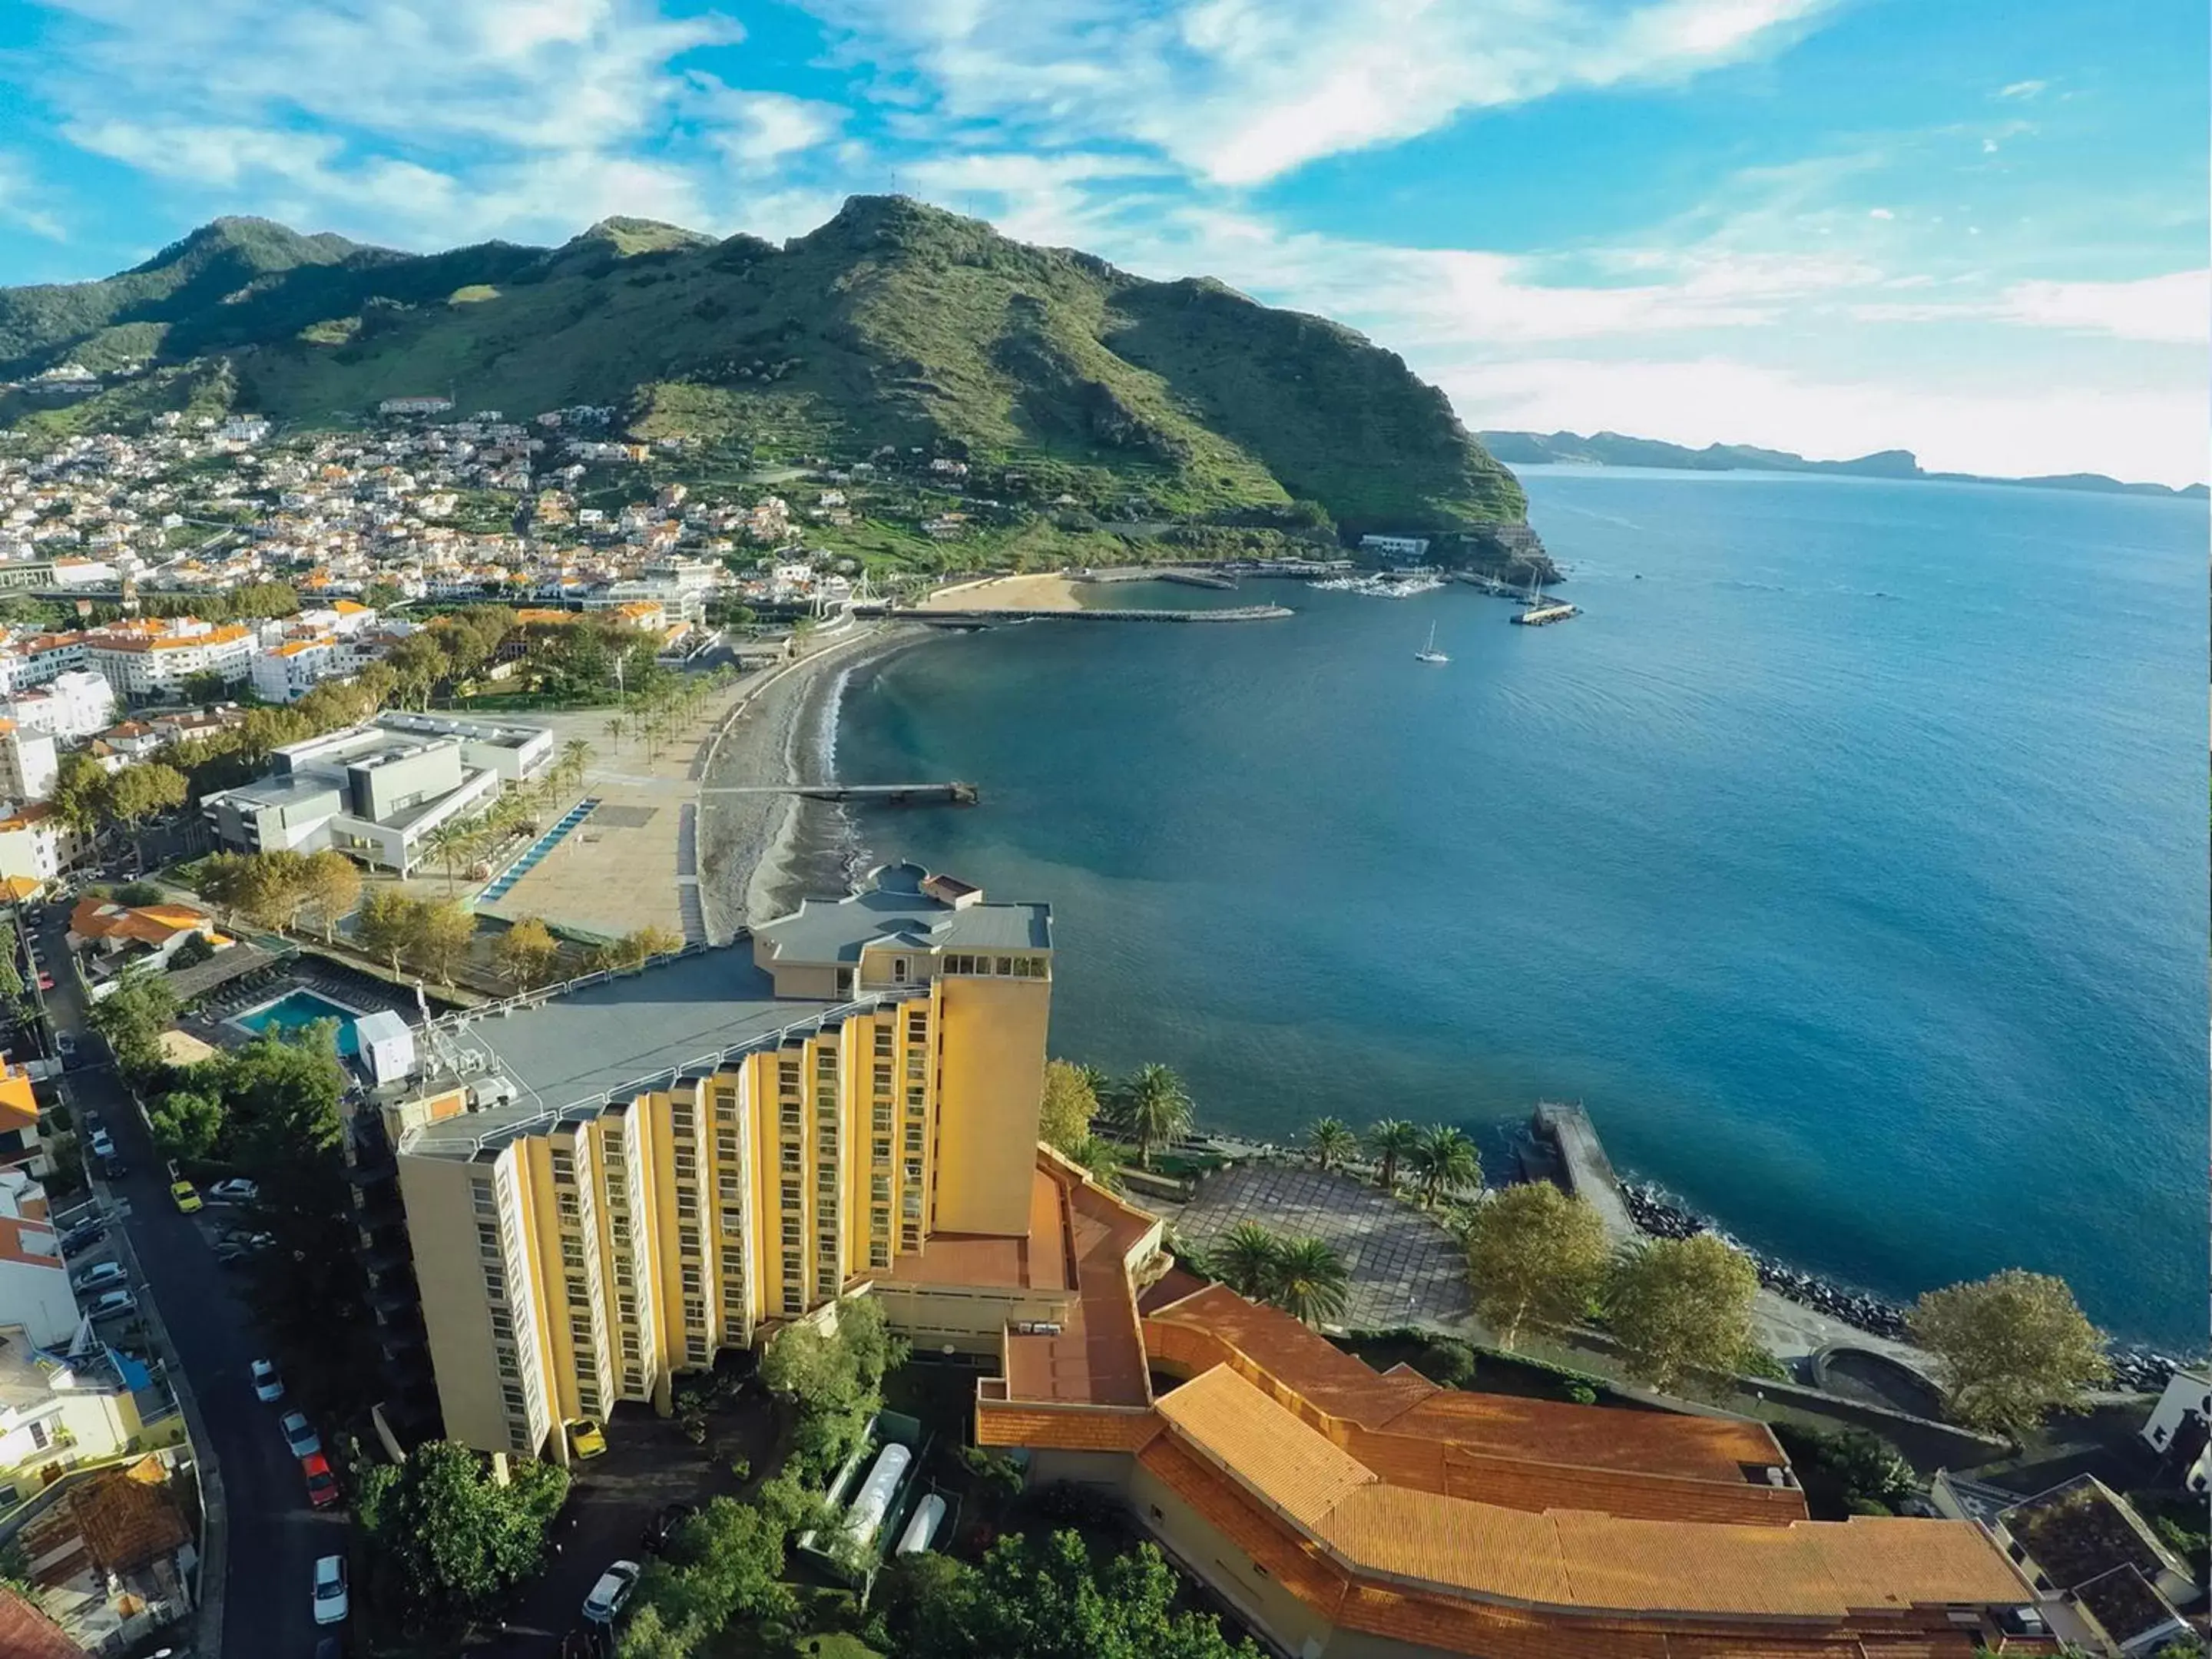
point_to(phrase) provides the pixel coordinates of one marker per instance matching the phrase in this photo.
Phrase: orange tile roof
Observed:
(149, 924)
(26, 1633)
(125, 1516)
(1575, 1560)
(18, 1110)
(29, 1242)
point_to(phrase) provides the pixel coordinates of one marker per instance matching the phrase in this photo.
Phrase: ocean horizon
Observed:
(1845, 857)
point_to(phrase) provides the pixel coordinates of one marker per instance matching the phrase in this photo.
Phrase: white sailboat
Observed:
(1429, 652)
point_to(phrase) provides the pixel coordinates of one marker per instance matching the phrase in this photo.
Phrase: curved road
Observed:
(273, 1536)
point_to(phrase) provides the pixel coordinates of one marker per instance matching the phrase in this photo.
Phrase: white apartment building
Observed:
(37, 844)
(34, 1287)
(29, 660)
(28, 763)
(287, 672)
(75, 704)
(152, 658)
(2179, 1424)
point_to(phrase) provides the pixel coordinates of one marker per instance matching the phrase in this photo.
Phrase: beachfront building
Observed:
(2106, 1582)
(377, 791)
(616, 1184)
(1358, 1514)
(34, 1281)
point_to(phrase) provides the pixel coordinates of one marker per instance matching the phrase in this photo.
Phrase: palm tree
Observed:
(1155, 1108)
(575, 755)
(1100, 1160)
(450, 844)
(1390, 1140)
(1310, 1280)
(614, 729)
(1245, 1260)
(1331, 1141)
(1446, 1158)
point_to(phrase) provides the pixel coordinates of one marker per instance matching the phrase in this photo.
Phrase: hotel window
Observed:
(899, 969)
(564, 1166)
(883, 1041)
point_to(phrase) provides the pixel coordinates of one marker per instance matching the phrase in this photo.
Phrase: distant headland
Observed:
(1614, 449)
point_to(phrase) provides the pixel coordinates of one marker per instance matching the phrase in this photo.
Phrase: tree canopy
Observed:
(446, 1543)
(835, 1380)
(1153, 1109)
(1068, 1105)
(1682, 1305)
(2010, 1349)
(1048, 1598)
(1535, 1257)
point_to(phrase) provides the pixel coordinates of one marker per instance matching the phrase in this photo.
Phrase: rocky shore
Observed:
(1658, 1215)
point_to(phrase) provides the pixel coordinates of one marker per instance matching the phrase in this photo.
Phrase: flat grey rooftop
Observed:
(895, 908)
(629, 1030)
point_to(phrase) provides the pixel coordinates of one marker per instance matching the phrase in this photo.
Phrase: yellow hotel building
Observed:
(570, 1203)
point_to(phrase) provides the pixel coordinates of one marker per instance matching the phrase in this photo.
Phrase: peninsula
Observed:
(1614, 449)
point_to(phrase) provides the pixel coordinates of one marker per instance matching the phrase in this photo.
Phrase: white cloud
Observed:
(2157, 434)
(20, 203)
(1880, 213)
(2176, 307)
(759, 129)
(2023, 90)
(1242, 91)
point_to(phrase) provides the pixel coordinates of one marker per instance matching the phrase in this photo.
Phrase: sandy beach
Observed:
(1051, 592)
(759, 852)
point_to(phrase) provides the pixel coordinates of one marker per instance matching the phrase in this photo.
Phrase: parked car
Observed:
(101, 1145)
(110, 1306)
(612, 1593)
(586, 1438)
(112, 1166)
(186, 1196)
(83, 1237)
(267, 1385)
(663, 1526)
(46, 980)
(300, 1433)
(65, 1045)
(236, 1190)
(331, 1606)
(101, 1276)
(322, 1484)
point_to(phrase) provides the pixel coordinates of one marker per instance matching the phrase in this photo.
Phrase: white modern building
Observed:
(376, 792)
(29, 660)
(288, 672)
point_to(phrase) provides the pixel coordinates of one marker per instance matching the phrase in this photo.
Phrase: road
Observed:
(274, 1536)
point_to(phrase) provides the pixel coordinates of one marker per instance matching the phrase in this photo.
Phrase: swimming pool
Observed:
(297, 1009)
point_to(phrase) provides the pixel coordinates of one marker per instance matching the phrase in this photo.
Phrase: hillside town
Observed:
(410, 1084)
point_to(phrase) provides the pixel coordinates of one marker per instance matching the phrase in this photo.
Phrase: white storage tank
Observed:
(928, 1516)
(873, 1501)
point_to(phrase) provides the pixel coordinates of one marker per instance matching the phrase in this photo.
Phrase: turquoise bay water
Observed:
(1850, 865)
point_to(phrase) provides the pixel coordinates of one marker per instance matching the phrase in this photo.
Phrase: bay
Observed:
(1847, 858)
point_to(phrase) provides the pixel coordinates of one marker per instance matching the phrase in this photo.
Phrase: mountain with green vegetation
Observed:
(894, 324)
(1613, 449)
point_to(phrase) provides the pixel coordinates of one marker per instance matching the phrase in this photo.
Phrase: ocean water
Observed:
(1847, 857)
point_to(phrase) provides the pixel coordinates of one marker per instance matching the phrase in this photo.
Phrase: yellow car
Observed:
(187, 1196)
(584, 1439)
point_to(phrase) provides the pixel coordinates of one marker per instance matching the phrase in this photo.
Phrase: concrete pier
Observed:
(1587, 1170)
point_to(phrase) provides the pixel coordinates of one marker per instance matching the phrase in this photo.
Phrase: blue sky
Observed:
(1972, 228)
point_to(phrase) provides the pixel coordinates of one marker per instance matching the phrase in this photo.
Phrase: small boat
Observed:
(1429, 651)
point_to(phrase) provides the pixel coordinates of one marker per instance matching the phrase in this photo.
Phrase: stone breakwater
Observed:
(1657, 1214)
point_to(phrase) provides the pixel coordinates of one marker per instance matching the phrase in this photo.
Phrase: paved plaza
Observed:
(1405, 1269)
